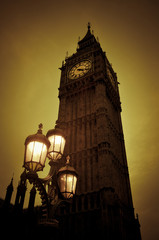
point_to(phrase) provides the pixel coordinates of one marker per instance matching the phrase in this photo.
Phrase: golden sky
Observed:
(34, 38)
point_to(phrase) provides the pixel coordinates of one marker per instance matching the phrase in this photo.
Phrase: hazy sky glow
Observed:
(35, 36)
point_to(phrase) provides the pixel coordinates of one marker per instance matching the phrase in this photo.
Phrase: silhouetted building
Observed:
(8, 196)
(21, 190)
(89, 114)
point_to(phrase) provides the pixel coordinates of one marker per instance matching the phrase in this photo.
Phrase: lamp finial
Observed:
(67, 160)
(40, 128)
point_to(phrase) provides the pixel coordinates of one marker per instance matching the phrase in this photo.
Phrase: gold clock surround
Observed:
(80, 69)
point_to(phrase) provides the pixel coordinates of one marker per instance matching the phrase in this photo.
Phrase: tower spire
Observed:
(89, 26)
(88, 40)
(9, 193)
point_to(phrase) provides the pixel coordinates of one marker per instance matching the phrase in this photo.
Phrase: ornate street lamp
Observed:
(67, 179)
(36, 148)
(57, 144)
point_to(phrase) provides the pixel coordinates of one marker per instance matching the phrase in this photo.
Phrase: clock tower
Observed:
(90, 116)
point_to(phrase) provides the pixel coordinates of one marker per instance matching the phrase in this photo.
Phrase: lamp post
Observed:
(37, 148)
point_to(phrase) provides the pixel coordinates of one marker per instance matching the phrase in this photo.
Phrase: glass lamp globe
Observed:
(36, 148)
(57, 144)
(67, 180)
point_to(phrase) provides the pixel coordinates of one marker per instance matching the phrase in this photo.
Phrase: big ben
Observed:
(90, 116)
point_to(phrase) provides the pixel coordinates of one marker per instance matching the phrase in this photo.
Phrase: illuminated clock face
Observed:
(80, 69)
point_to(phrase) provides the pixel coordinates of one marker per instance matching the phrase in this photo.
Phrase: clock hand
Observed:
(80, 69)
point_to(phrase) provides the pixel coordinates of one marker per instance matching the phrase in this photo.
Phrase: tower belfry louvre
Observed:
(90, 116)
